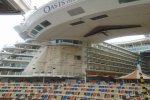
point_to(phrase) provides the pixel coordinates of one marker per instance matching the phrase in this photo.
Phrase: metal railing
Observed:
(140, 48)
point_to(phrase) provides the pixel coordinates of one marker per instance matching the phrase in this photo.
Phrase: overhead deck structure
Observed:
(73, 19)
(13, 7)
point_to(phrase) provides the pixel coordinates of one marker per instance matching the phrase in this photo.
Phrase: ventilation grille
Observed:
(99, 17)
(126, 1)
(77, 23)
(76, 11)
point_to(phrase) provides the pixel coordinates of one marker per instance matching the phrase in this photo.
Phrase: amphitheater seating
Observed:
(63, 91)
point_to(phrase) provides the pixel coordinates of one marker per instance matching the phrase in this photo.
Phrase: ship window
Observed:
(57, 41)
(77, 57)
(99, 17)
(126, 1)
(42, 72)
(34, 32)
(45, 23)
(68, 41)
(38, 27)
(77, 42)
(77, 23)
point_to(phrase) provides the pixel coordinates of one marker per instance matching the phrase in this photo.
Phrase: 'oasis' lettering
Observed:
(58, 4)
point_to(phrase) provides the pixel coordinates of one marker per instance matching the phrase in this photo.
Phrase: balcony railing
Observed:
(16, 59)
(10, 67)
(140, 48)
(13, 47)
(21, 54)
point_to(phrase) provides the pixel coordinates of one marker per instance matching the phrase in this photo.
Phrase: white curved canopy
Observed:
(72, 19)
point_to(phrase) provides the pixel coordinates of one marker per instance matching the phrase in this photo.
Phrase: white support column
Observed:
(139, 68)
(139, 63)
(84, 59)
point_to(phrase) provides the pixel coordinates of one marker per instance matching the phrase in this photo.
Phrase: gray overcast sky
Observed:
(7, 34)
(126, 38)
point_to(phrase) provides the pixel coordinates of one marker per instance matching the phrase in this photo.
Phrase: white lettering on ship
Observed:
(55, 5)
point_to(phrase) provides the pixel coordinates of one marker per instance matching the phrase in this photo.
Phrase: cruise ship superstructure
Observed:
(70, 32)
(14, 59)
(140, 46)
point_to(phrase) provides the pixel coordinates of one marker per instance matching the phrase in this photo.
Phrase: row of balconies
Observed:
(110, 65)
(115, 63)
(118, 49)
(118, 52)
(30, 54)
(24, 45)
(117, 70)
(40, 75)
(57, 74)
(100, 59)
(111, 59)
(107, 57)
(146, 70)
(110, 68)
(2, 66)
(109, 47)
(137, 44)
(16, 59)
(139, 48)
(10, 73)
(111, 53)
(129, 59)
(54, 73)
(19, 48)
(145, 65)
